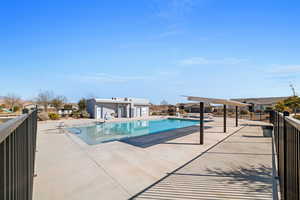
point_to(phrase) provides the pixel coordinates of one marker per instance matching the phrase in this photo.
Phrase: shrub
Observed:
(80, 114)
(76, 114)
(16, 108)
(68, 106)
(244, 112)
(154, 113)
(53, 116)
(85, 114)
(43, 116)
(182, 111)
(25, 110)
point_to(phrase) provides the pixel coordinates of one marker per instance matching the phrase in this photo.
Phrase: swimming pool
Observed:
(111, 131)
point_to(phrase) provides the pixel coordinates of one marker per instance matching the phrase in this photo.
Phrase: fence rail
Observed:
(287, 143)
(17, 156)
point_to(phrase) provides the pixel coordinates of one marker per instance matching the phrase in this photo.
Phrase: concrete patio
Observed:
(67, 168)
(240, 167)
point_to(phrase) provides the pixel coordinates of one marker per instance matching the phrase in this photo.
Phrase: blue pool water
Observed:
(105, 132)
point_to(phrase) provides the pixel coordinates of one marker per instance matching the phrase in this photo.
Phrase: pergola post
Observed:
(224, 110)
(236, 116)
(223, 102)
(201, 122)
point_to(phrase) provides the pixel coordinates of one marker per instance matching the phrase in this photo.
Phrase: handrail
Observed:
(8, 127)
(286, 135)
(17, 156)
(294, 122)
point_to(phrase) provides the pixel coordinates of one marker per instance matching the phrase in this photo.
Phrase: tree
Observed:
(68, 106)
(289, 104)
(12, 100)
(164, 102)
(82, 104)
(280, 106)
(293, 103)
(16, 108)
(58, 102)
(44, 98)
(171, 110)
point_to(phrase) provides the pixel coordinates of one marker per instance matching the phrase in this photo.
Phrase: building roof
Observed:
(111, 101)
(135, 101)
(262, 100)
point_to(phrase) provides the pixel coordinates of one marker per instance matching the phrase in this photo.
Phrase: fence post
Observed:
(278, 131)
(201, 122)
(285, 155)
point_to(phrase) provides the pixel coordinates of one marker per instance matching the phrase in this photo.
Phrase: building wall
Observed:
(141, 111)
(116, 109)
(108, 109)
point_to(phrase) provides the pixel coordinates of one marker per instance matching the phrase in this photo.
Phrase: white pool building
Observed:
(118, 108)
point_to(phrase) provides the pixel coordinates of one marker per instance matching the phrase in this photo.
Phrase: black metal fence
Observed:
(17, 155)
(287, 143)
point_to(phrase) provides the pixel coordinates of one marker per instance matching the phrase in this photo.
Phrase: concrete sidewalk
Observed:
(240, 167)
(69, 169)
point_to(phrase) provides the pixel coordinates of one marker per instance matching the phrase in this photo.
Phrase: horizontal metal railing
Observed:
(287, 143)
(17, 155)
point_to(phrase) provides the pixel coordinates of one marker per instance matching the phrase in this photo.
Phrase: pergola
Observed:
(225, 102)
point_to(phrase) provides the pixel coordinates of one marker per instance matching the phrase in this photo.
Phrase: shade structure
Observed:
(225, 102)
(216, 101)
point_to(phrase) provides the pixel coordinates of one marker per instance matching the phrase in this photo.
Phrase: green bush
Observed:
(182, 111)
(80, 114)
(85, 114)
(25, 110)
(16, 108)
(76, 114)
(154, 113)
(53, 116)
(68, 106)
(244, 112)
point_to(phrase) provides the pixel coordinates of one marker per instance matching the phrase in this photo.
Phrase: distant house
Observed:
(30, 106)
(261, 103)
(68, 109)
(118, 108)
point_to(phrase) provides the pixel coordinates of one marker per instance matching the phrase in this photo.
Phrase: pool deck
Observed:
(69, 169)
(240, 167)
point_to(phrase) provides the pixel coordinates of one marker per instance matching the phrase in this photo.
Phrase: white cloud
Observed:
(205, 61)
(285, 69)
(283, 72)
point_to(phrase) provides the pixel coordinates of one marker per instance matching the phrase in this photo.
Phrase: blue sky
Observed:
(157, 49)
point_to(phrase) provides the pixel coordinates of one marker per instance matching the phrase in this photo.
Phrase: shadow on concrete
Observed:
(235, 153)
(252, 182)
(255, 136)
(181, 143)
(235, 182)
(254, 178)
(163, 137)
(238, 142)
